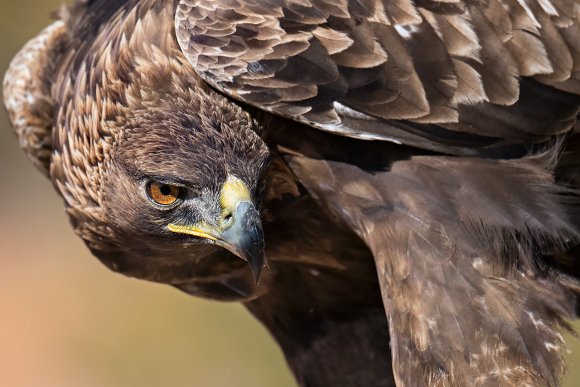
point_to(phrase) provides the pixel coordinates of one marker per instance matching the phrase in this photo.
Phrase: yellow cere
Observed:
(233, 192)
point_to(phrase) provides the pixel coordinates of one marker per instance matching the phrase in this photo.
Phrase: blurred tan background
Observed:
(65, 320)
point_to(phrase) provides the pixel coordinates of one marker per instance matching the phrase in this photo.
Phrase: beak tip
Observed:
(257, 269)
(245, 238)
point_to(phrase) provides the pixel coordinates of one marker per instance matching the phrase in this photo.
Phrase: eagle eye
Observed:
(164, 194)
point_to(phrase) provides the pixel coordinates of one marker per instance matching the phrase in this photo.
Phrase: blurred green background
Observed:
(65, 320)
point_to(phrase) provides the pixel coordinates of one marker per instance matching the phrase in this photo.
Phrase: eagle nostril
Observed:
(227, 220)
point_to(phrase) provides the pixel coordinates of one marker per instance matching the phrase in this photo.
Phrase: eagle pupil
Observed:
(165, 190)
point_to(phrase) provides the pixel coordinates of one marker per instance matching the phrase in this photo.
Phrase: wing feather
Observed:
(397, 63)
(498, 68)
(557, 50)
(470, 88)
(462, 286)
(27, 93)
(530, 54)
(458, 35)
(436, 72)
(402, 12)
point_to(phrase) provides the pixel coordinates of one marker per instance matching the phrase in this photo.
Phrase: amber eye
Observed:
(163, 194)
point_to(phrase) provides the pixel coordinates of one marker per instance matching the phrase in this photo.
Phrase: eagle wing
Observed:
(453, 76)
(462, 247)
(27, 97)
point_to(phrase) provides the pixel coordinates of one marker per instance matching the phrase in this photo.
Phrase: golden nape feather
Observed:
(27, 94)
(184, 139)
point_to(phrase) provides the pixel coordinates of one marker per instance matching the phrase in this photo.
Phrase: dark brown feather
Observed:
(457, 247)
(446, 55)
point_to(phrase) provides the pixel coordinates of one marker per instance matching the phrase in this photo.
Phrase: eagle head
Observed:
(167, 187)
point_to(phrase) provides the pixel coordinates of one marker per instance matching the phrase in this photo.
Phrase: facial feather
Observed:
(131, 110)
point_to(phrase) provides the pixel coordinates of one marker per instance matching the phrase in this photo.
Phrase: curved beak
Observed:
(239, 229)
(245, 238)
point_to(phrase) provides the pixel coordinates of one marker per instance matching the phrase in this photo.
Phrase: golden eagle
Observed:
(408, 167)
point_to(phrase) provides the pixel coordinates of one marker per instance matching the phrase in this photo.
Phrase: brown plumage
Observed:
(444, 252)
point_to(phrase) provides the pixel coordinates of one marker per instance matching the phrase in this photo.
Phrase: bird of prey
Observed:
(389, 186)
